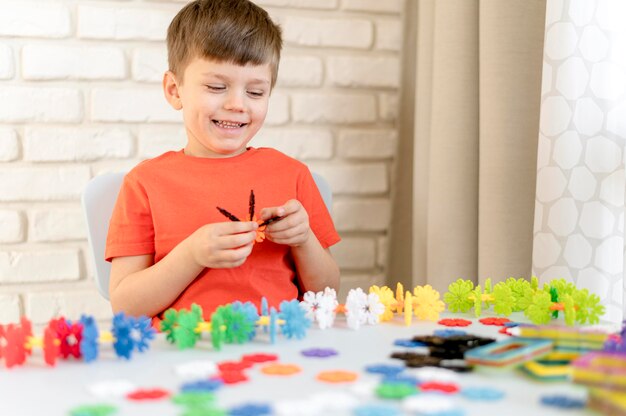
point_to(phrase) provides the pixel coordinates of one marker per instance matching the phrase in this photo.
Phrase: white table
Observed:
(36, 389)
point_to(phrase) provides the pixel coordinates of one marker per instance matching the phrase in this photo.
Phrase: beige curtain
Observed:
(465, 179)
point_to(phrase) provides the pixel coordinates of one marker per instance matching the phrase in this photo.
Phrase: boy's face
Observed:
(223, 104)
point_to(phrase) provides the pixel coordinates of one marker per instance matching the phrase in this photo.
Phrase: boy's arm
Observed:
(138, 286)
(316, 267)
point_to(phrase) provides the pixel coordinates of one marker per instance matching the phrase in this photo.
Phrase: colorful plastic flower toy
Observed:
(360, 308)
(234, 323)
(380, 304)
(80, 339)
(321, 307)
(539, 305)
(423, 303)
(260, 232)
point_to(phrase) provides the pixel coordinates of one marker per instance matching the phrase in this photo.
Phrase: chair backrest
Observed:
(98, 201)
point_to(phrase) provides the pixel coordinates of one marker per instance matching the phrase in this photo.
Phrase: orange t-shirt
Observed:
(164, 200)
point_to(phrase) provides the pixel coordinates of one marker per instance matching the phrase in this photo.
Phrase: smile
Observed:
(228, 124)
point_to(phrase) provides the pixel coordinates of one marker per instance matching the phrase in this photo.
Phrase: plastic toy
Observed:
(609, 402)
(380, 304)
(234, 323)
(538, 305)
(260, 232)
(553, 367)
(453, 346)
(566, 339)
(81, 339)
(508, 353)
(601, 369)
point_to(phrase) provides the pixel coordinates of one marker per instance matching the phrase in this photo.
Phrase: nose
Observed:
(234, 101)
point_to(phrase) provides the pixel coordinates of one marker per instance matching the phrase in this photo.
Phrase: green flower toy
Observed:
(515, 295)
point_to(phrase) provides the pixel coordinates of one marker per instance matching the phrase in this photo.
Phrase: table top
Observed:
(36, 389)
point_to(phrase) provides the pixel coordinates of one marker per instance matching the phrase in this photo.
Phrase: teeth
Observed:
(228, 124)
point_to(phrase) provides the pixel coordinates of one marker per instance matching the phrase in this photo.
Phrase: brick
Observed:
(37, 266)
(367, 144)
(123, 23)
(378, 6)
(300, 71)
(35, 19)
(342, 33)
(44, 62)
(9, 309)
(149, 64)
(364, 71)
(12, 228)
(278, 110)
(7, 64)
(9, 145)
(118, 165)
(298, 143)
(362, 215)
(340, 108)
(156, 140)
(356, 253)
(353, 281)
(388, 35)
(42, 183)
(76, 144)
(41, 307)
(40, 104)
(368, 178)
(304, 4)
(131, 105)
(57, 225)
(388, 110)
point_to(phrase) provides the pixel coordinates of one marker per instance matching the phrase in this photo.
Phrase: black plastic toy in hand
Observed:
(260, 233)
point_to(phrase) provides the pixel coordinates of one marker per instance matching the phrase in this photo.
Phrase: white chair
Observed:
(98, 201)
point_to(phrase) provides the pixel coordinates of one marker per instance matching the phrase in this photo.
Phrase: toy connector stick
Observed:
(251, 205)
(227, 214)
(270, 220)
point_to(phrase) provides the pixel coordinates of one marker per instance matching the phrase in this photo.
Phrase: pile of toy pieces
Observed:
(539, 305)
(604, 372)
(238, 322)
(81, 339)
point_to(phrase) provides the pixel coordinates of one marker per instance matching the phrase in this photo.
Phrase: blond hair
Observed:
(236, 31)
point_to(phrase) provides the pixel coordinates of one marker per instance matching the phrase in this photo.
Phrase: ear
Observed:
(171, 90)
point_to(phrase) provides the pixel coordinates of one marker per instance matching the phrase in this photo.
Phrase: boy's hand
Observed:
(222, 244)
(292, 229)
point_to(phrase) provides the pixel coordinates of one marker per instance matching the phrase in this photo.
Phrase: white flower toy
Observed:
(321, 307)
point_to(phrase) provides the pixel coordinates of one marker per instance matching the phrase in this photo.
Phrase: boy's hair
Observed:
(236, 31)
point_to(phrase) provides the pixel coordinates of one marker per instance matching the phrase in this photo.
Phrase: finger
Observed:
(234, 257)
(292, 206)
(286, 233)
(235, 227)
(233, 241)
(272, 212)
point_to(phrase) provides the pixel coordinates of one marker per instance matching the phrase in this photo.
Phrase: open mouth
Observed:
(228, 124)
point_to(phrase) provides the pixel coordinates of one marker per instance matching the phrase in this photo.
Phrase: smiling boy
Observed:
(169, 245)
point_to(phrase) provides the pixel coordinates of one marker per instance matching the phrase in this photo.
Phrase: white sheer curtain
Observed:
(579, 209)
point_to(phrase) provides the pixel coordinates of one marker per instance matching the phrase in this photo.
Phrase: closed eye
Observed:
(256, 94)
(216, 88)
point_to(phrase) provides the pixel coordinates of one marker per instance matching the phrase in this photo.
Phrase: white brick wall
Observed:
(80, 94)
(44, 61)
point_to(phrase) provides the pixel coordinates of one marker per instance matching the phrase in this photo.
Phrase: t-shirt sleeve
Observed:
(319, 218)
(131, 229)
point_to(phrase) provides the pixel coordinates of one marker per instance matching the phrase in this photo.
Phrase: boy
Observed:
(170, 241)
